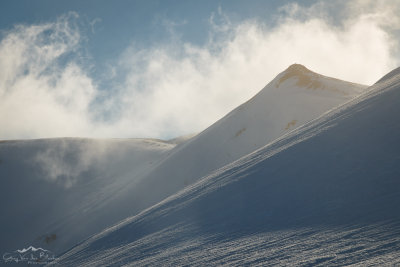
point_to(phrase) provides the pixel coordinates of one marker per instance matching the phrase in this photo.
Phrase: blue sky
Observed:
(141, 21)
(111, 26)
(166, 68)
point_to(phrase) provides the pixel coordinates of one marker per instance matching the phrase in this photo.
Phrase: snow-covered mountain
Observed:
(326, 193)
(295, 96)
(73, 188)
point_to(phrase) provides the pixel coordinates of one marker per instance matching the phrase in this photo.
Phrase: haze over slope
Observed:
(294, 97)
(51, 186)
(95, 183)
(326, 193)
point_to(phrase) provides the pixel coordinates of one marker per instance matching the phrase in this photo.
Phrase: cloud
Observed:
(176, 88)
(39, 96)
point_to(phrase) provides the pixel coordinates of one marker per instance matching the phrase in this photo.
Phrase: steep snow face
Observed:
(294, 97)
(53, 191)
(326, 193)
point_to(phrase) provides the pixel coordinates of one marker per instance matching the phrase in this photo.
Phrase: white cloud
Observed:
(177, 88)
(39, 97)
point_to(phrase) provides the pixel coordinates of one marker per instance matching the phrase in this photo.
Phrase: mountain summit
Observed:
(305, 78)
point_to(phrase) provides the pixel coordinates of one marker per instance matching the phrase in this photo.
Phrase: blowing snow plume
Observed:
(47, 78)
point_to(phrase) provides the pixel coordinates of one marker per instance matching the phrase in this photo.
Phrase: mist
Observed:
(177, 87)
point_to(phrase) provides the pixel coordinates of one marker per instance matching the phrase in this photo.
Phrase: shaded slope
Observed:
(53, 190)
(327, 193)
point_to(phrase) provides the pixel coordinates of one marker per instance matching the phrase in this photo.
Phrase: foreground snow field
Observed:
(326, 193)
(69, 189)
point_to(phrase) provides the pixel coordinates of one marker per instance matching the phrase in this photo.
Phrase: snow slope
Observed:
(294, 97)
(95, 183)
(324, 194)
(53, 190)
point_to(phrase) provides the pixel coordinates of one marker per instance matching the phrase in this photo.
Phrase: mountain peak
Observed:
(298, 76)
(304, 77)
(298, 68)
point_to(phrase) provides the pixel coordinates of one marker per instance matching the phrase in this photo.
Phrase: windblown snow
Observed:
(305, 172)
(326, 193)
(54, 190)
(274, 111)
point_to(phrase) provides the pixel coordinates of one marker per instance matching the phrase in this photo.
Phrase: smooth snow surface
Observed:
(324, 194)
